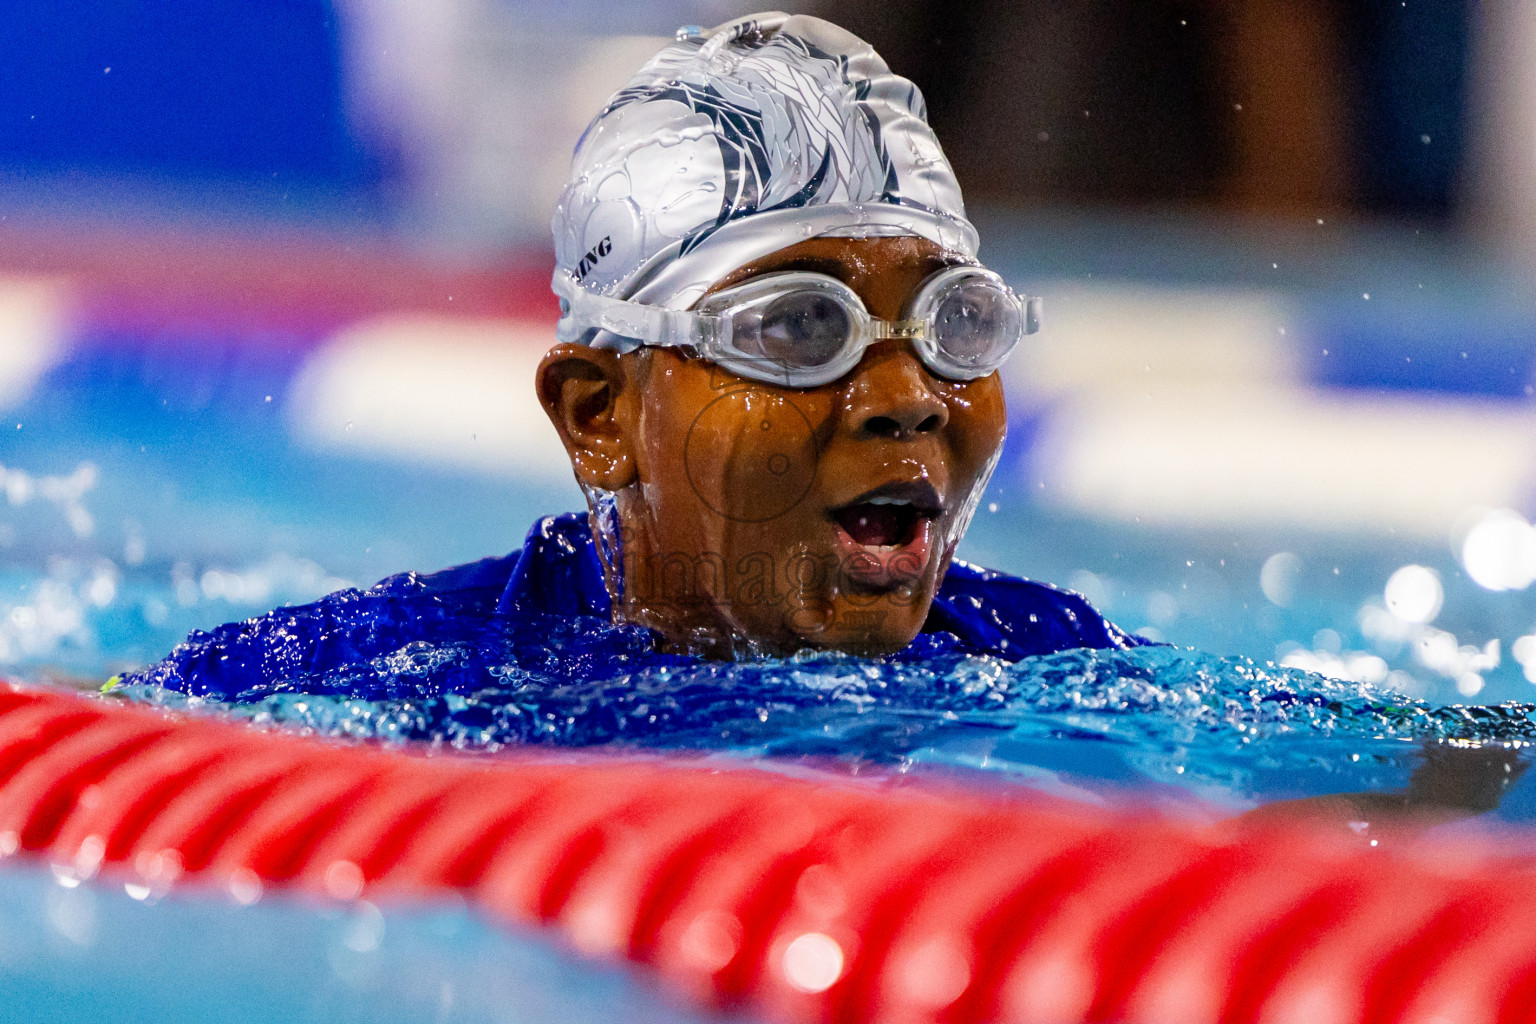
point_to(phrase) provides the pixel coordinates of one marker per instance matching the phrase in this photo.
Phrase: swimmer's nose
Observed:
(889, 398)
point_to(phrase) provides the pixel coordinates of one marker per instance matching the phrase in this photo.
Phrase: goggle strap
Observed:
(631, 321)
(1032, 306)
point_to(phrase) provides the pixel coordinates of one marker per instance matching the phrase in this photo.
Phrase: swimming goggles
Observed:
(801, 329)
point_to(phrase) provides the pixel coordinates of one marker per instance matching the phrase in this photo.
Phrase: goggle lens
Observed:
(805, 329)
(976, 324)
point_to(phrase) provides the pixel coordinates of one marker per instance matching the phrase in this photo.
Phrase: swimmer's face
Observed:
(817, 517)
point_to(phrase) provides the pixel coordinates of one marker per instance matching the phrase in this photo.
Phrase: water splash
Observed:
(1164, 719)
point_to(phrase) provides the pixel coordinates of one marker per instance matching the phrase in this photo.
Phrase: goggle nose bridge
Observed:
(899, 329)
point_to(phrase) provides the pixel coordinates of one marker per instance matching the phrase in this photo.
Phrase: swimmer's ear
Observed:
(583, 392)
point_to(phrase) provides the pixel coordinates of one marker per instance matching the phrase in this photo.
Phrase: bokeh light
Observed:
(1278, 578)
(1499, 551)
(1414, 594)
(813, 962)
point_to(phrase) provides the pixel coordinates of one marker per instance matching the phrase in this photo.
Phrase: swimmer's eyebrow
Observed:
(812, 265)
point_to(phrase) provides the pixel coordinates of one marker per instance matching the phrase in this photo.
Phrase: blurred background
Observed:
(273, 282)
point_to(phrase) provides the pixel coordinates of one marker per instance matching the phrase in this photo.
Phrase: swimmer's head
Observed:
(808, 495)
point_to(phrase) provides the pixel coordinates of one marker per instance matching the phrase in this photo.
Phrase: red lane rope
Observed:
(800, 900)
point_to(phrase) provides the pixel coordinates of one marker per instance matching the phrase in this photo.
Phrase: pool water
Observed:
(91, 951)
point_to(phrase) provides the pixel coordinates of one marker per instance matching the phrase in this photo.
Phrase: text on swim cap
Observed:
(594, 254)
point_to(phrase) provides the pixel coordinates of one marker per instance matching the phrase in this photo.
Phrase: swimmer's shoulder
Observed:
(1009, 616)
(302, 646)
(295, 644)
(557, 571)
(554, 571)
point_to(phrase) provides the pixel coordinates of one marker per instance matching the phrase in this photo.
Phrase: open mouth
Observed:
(889, 516)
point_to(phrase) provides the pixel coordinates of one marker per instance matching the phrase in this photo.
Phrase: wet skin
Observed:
(776, 519)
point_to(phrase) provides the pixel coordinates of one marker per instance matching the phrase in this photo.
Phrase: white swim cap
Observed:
(732, 144)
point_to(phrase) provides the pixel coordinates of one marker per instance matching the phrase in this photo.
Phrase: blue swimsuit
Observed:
(544, 610)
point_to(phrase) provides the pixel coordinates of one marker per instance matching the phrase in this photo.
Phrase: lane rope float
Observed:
(793, 898)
